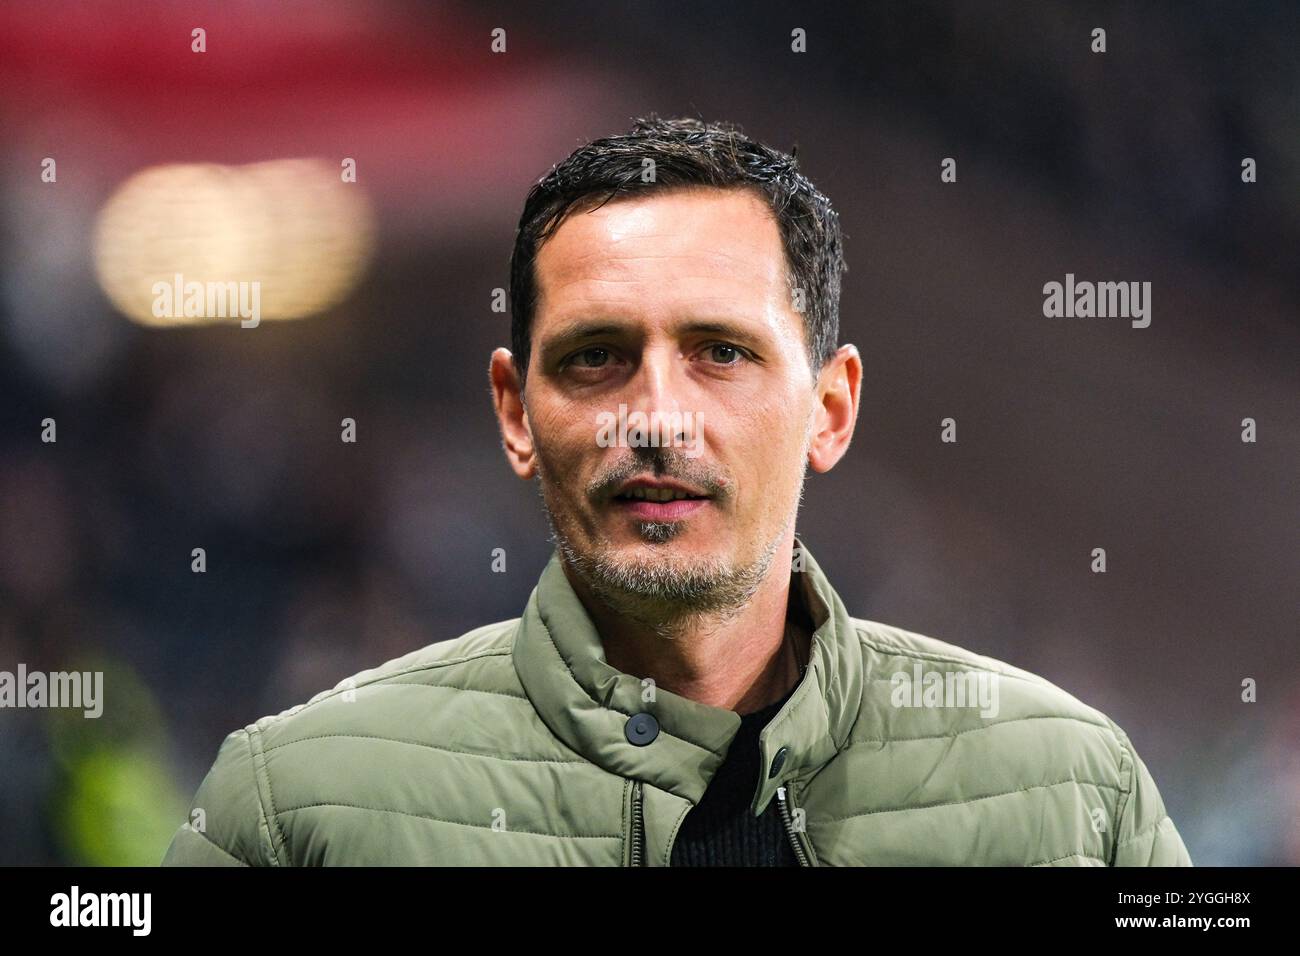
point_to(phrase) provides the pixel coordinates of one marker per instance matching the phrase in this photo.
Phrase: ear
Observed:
(508, 401)
(836, 411)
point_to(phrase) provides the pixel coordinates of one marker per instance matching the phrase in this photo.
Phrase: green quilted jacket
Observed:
(516, 744)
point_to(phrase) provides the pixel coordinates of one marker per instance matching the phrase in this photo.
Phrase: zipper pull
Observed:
(800, 853)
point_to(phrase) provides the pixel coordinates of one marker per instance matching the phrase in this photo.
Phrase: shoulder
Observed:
(916, 684)
(344, 747)
(1009, 767)
(477, 662)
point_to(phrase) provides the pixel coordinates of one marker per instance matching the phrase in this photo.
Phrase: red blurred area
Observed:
(414, 93)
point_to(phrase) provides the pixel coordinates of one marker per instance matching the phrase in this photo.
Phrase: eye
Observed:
(720, 349)
(598, 353)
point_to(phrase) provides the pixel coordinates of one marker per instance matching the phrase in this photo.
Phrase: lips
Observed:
(648, 510)
(658, 489)
(659, 499)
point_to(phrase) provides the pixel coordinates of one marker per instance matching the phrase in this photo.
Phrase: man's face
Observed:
(674, 306)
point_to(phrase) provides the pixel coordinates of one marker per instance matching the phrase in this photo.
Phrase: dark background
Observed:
(324, 558)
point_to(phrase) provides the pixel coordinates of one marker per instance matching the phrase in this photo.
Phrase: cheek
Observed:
(567, 450)
(769, 444)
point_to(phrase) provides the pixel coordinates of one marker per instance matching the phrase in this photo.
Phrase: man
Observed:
(684, 686)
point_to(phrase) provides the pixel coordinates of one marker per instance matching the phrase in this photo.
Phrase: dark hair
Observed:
(688, 152)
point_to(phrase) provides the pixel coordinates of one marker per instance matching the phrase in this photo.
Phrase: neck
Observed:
(741, 660)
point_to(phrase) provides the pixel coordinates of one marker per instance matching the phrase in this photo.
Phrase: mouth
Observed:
(659, 500)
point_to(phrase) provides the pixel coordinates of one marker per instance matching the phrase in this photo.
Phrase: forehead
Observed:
(680, 244)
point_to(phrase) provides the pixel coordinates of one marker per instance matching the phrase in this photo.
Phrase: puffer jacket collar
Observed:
(585, 702)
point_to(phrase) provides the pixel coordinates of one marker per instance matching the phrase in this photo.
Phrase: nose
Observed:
(660, 390)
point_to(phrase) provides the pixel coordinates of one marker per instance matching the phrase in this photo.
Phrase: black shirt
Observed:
(720, 830)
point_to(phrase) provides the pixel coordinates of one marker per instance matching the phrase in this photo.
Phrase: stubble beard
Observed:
(667, 597)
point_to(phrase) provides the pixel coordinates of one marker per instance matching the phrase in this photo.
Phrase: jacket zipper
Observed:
(638, 825)
(800, 854)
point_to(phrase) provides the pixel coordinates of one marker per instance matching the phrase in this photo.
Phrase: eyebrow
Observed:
(571, 335)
